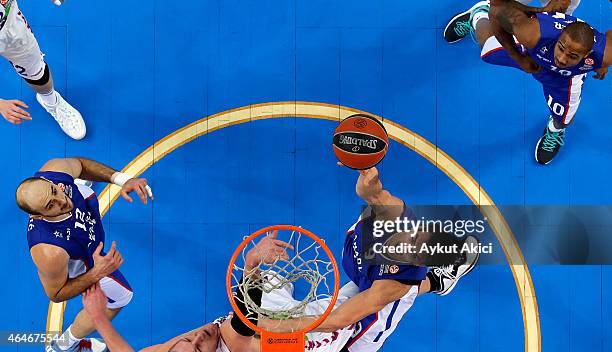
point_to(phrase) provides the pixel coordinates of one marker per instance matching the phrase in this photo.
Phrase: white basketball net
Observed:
(312, 273)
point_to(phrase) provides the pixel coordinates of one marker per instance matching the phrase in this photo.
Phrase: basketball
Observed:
(360, 142)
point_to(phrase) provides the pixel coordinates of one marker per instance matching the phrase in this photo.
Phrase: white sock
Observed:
(478, 16)
(552, 128)
(67, 340)
(49, 99)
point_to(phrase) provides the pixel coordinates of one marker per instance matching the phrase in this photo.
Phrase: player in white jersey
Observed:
(19, 46)
(230, 334)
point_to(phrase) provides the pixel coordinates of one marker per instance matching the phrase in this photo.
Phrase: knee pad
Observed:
(42, 80)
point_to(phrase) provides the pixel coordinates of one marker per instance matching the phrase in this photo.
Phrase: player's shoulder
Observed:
(48, 257)
(55, 176)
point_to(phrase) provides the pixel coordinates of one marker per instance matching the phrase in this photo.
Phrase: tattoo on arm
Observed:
(95, 171)
(508, 16)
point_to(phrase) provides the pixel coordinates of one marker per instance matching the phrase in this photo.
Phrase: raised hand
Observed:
(12, 111)
(268, 250)
(94, 301)
(140, 186)
(601, 73)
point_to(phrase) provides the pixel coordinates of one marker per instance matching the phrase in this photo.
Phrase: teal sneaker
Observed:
(461, 24)
(548, 146)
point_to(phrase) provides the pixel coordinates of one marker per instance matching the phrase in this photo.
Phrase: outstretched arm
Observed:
(94, 302)
(370, 189)
(353, 310)
(88, 169)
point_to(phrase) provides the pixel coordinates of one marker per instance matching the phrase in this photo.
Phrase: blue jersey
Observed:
(78, 235)
(364, 275)
(371, 332)
(551, 26)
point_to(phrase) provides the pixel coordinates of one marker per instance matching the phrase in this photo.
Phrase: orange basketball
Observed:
(360, 141)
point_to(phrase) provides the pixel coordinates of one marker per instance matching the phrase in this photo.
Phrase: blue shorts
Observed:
(562, 94)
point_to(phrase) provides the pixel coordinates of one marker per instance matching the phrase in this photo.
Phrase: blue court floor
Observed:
(138, 71)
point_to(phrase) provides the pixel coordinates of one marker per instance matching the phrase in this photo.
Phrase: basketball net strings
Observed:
(269, 277)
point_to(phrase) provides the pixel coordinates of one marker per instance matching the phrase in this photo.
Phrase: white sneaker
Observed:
(69, 118)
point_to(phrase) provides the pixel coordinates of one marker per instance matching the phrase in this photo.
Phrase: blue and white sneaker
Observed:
(461, 24)
(85, 345)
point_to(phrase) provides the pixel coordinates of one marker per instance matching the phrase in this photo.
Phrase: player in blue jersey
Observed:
(557, 49)
(384, 292)
(368, 309)
(66, 239)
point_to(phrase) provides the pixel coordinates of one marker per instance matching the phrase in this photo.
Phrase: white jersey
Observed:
(5, 9)
(370, 335)
(314, 341)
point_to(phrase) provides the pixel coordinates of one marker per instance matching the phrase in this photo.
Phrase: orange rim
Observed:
(245, 242)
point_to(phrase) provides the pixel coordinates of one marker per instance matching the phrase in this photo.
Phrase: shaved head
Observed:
(37, 196)
(25, 193)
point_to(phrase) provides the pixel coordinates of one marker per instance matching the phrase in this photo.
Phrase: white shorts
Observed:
(314, 341)
(570, 10)
(117, 292)
(19, 46)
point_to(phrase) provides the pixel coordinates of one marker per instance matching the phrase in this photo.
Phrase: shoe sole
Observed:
(469, 269)
(451, 21)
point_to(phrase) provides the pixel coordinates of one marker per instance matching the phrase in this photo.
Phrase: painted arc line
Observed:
(397, 132)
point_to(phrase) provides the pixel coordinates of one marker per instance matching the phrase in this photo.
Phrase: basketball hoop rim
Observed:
(245, 242)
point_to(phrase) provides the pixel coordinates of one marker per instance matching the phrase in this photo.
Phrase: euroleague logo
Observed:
(393, 269)
(3, 2)
(360, 123)
(589, 61)
(289, 340)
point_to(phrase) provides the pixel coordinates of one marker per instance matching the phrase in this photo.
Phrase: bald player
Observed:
(66, 240)
(557, 49)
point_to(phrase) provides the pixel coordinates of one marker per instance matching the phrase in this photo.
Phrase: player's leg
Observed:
(24, 54)
(563, 101)
(119, 294)
(476, 19)
(462, 24)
